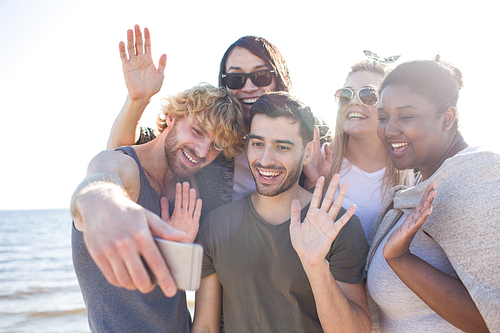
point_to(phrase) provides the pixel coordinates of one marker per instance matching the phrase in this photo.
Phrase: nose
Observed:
(267, 157)
(355, 100)
(203, 148)
(249, 86)
(391, 128)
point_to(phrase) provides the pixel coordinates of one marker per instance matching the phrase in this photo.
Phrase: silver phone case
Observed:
(184, 261)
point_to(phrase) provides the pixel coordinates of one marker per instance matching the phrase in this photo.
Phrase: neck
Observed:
(277, 209)
(367, 153)
(457, 144)
(154, 162)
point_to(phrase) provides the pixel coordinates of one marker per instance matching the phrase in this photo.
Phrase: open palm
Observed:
(398, 243)
(313, 238)
(187, 211)
(142, 78)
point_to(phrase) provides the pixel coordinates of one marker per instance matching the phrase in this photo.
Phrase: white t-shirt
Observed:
(244, 183)
(364, 191)
(400, 309)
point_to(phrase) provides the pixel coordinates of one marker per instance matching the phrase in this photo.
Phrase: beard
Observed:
(174, 162)
(290, 180)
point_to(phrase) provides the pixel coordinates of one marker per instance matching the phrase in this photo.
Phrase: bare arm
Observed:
(208, 306)
(341, 307)
(116, 230)
(444, 294)
(143, 81)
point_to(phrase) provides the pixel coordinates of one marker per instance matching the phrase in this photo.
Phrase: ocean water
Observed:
(38, 287)
(39, 292)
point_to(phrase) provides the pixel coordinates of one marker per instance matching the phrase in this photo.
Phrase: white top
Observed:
(244, 183)
(400, 309)
(365, 191)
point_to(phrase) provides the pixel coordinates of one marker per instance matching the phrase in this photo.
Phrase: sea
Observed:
(39, 291)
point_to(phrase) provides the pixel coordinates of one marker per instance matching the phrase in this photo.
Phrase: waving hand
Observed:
(313, 238)
(143, 79)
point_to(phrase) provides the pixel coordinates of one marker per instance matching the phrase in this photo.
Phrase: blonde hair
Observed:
(338, 145)
(214, 107)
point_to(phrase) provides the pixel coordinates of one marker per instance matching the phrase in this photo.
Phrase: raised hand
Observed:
(398, 243)
(320, 165)
(143, 79)
(187, 211)
(313, 238)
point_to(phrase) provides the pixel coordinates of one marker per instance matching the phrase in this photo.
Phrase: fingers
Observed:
(158, 267)
(341, 222)
(162, 63)
(130, 43)
(425, 202)
(138, 40)
(147, 41)
(330, 193)
(164, 209)
(318, 193)
(295, 214)
(337, 204)
(163, 230)
(328, 153)
(123, 54)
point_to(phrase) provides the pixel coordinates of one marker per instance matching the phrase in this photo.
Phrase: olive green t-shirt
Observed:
(265, 288)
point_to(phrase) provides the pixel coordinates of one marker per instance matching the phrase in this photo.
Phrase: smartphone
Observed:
(184, 261)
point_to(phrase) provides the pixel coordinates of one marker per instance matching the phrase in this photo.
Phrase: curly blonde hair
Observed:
(214, 107)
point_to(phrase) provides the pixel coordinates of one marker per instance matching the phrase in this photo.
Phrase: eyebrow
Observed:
(399, 108)
(256, 68)
(258, 137)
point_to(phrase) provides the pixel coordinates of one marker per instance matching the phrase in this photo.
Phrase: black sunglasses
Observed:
(367, 96)
(261, 78)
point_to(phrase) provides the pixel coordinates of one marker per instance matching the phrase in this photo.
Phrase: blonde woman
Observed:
(356, 153)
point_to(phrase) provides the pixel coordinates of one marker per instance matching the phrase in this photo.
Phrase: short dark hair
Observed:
(266, 51)
(282, 104)
(438, 82)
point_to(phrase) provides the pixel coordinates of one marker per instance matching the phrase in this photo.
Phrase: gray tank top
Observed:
(112, 309)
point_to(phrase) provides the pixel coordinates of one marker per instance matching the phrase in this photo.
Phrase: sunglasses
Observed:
(261, 78)
(367, 96)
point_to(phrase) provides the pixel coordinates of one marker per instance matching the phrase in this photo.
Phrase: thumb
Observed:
(162, 63)
(164, 209)
(163, 230)
(328, 153)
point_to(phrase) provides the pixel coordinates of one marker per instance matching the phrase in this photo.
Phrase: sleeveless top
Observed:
(113, 309)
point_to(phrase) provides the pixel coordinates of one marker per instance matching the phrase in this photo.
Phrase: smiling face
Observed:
(276, 154)
(241, 60)
(356, 118)
(188, 146)
(411, 131)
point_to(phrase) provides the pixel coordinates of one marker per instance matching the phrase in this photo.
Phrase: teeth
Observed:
(249, 100)
(356, 115)
(269, 174)
(189, 157)
(399, 145)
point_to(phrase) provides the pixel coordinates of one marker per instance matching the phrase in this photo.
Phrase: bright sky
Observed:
(61, 84)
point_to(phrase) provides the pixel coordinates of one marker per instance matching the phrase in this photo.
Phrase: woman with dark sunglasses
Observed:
(250, 67)
(434, 268)
(356, 153)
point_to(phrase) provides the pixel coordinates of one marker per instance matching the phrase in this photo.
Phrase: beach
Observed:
(39, 291)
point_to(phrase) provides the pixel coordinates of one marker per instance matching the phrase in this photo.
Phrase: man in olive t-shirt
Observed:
(278, 273)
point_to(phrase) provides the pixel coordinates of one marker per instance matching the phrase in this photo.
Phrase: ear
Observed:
(311, 148)
(449, 118)
(170, 120)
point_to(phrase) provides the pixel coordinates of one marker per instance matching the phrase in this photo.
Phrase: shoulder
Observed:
(119, 167)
